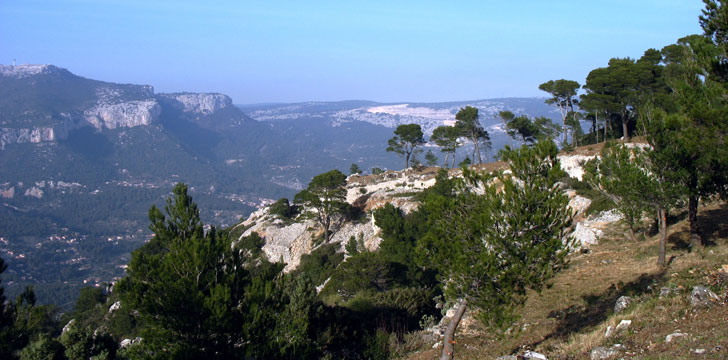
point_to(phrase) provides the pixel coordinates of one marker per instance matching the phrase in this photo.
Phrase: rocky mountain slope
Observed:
(82, 160)
(289, 241)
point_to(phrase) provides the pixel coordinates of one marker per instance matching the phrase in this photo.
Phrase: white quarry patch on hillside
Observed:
(125, 114)
(25, 70)
(406, 110)
(199, 103)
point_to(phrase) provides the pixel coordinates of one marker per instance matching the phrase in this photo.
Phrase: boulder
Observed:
(673, 336)
(532, 355)
(622, 303)
(702, 297)
(115, 306)
(603, 352)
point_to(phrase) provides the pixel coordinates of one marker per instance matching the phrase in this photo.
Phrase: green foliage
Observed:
(714, 21)
(489, 249)
(406, 139)
(618, 90)
(367, 271)
(620, 174)
(354, 169)
(377, 346)
(43, 348)
(355, 245)
(325, 198)
(320, 263)
(468, 125)
(563, 94)
(252, 244)
(430, 158)
(688, 131)
(377, 171)
(529, 130)
(446, 137)
(283, 209)
(82, 343)
(466, 162)
(197, 296)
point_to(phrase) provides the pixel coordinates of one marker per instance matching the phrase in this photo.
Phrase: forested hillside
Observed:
(609, 243)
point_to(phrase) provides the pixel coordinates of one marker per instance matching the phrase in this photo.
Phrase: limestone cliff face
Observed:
(37, 134)
(199, 103)
(31, 135)
(118, 107)
(123, 114)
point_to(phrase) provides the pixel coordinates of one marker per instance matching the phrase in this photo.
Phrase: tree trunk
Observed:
(476, 149)
(662, 221)
(693, 219)
(447, 157)
(406, 160)
(606, 122)
(631, 233)
(448, 343)
(625, 132)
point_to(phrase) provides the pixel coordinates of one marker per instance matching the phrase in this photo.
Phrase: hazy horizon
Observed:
(290, 52)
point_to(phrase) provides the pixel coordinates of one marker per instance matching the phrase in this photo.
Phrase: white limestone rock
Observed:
(199, 103)
(26, 70)
(673, 336)
(123, 114)
(115, 306)
(34, 192)
(572, 164)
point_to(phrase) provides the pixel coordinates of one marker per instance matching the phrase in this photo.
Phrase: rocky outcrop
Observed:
(622, 304)
(703, 297)
(572, 164)
(26, 70)
(202, 103)
(289, 241)
(124, 114)
(30, 135)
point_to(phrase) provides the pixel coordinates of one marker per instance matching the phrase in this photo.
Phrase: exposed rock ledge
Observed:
(202, 103)
(125, 114)
(288, 242)
(26, 70)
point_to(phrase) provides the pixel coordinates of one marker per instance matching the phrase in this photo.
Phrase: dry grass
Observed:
(570, 318)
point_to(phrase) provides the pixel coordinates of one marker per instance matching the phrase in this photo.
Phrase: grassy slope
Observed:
(568, 319)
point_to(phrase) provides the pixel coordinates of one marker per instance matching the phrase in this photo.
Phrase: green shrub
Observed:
(320, 264)
(283, 209)
(599, 203)
(377, 346)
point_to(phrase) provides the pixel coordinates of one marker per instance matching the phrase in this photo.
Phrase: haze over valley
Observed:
(84, 159)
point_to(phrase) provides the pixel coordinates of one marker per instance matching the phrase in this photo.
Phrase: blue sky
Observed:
(288, 51)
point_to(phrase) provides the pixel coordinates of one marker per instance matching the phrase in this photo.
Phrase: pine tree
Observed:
(490, 249)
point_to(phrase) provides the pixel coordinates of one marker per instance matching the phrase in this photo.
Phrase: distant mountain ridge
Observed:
(82, 160)
(85, 102)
